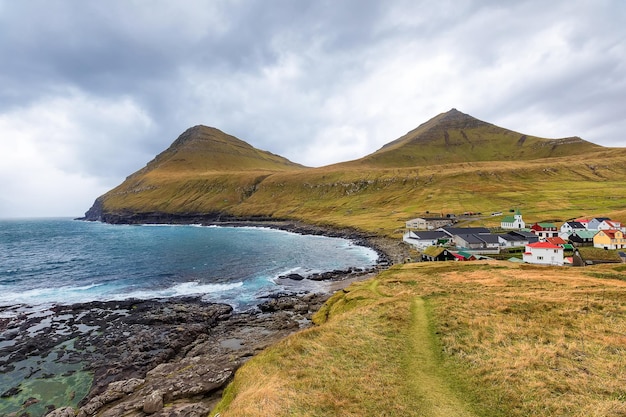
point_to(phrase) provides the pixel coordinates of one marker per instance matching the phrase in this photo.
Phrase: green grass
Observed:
(598, 254)
(373, 358)
(381, 201)
(484, 339)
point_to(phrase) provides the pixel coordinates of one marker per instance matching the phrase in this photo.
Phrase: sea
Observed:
(48, 262)
(44, 262)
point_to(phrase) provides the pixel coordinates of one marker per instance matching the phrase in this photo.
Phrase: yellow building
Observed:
(609, 239)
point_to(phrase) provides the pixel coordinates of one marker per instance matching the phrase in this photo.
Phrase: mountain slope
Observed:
(478, 167)
(457, 137)
(201, 149)
(204, 171)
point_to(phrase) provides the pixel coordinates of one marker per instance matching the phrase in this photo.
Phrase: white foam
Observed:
(41, 296)
(178, 290)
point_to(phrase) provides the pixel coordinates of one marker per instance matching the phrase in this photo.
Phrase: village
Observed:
(544, 243)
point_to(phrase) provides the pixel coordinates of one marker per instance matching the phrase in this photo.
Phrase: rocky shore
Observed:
(169, 357)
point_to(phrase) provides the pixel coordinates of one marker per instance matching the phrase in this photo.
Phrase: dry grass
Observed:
(381, 200)
(489, 339)
(542, 341)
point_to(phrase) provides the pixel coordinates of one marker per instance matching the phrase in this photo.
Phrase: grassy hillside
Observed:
(207, 171)
(380, 200)
(203, 171)
(200, 149)
(455, 137)
(442, 339)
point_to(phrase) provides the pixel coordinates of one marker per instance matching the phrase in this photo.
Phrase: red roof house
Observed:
(544, 253)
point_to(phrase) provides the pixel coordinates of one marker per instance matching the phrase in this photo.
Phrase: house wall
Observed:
(427, 224)
(606, 226)
(543, 256)
(602, 240)
(418, 243)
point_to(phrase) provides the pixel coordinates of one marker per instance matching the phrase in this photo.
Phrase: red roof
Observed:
(543, 245)
(610, 233)
(556, 240)
(582, 220)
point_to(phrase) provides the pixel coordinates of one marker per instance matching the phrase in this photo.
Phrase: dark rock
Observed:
(295, 277)
(11, 392)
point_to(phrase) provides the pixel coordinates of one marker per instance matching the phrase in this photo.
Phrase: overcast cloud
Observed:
(90, 90)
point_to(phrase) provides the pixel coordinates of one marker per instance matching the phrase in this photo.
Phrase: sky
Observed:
(91, 90)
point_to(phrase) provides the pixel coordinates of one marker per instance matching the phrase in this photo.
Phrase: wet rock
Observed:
(11, 392)
(62, 412)
(30, 401)
(294, 277)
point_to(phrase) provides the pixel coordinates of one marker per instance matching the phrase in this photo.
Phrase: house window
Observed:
(539, 258)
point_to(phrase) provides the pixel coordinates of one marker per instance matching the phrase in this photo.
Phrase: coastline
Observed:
(182, 351)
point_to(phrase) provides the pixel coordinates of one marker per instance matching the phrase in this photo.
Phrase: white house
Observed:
(609, 225)
(595, 222)
(423, 239)
(544, 230)
(513, 222)
(543, 253)
(569, 228)
(428, 223)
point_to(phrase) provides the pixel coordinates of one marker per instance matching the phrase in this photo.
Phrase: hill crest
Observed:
(456, 137)
(203, 148)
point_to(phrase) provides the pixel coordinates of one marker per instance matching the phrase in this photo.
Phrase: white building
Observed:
(429, 223)
(513, 222)
(543, 253)
(610, 225)
(569, 228)
(595, 222)
(423, 239)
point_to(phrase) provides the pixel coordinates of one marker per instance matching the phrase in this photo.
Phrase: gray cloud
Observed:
(90, 91)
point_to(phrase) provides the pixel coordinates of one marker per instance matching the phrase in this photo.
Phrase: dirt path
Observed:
(425, 379)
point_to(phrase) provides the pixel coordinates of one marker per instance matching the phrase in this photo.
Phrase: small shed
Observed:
(436, 253)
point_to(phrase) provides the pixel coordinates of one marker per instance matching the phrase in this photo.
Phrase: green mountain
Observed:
(451, 164)
(454, 137)
(202, 149)
(203, 172)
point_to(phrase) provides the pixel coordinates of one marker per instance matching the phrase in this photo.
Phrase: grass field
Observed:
(442, 339)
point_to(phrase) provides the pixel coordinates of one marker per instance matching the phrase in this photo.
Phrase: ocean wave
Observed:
(58, 295)
(178, 290)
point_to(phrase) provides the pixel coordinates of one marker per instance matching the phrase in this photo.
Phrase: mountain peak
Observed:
(455, 137)
(454, 119)
(201, 133)
(202, 148)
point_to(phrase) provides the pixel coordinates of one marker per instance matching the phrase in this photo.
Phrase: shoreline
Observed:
(390, 251)
(128, 345)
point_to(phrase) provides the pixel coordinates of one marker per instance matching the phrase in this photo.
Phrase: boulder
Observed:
(153, 402)
(115, 391)
(295, 277)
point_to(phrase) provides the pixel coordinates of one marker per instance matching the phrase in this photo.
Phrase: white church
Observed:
(513, 222)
